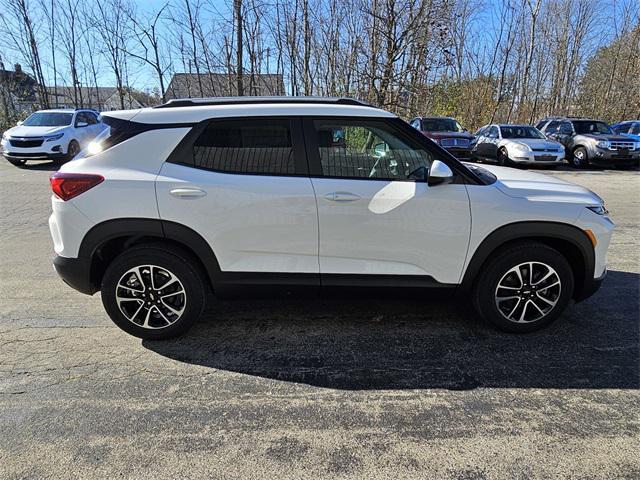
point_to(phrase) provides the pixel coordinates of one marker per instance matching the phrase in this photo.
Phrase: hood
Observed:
(606, 136)
(538, 187)
(635, 138)
(439, 135)
(25, 131)
(539, 143)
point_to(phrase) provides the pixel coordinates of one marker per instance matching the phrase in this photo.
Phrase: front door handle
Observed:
(188, 192)
(342, 197)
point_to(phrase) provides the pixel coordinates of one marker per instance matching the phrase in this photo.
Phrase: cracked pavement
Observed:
(313, 388)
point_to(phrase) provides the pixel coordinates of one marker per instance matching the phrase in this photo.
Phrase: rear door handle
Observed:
(342, 197)
(187, 192)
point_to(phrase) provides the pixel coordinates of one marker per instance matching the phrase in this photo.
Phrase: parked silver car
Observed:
(516, 144)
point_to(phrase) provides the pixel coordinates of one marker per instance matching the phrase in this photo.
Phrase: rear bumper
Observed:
(75, 272)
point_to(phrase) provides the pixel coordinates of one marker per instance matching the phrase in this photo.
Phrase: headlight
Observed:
(521, 147)
(598, 209)
(603, 143)
(53, 138)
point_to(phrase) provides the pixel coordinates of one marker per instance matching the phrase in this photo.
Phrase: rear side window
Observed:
(246, 146)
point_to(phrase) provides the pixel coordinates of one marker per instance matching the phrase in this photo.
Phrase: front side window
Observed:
(48, 119)
(367, 149)
(493, 132)
(246, 146)
(552, 127)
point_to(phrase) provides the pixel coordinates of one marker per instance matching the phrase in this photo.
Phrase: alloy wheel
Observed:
(151, 297)
(528, 292)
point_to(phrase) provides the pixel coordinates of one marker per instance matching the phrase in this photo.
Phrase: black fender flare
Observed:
(537, 231)
(148, 227)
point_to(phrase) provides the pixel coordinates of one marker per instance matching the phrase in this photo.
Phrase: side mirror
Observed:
(439, 173)
(19, 123)
(381, 149)
(82, 124)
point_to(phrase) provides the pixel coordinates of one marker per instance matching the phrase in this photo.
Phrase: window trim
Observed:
(185, 147)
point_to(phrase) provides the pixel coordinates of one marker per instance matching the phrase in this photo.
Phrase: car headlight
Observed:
(598, 209)
(521, 147)
(603, 143)
(53, 138)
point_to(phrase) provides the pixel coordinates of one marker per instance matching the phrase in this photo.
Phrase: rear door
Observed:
(377, 224)
(490, 147)
(243, 185)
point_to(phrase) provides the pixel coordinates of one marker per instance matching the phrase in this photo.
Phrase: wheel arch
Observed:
(567, 239)
(108, 239)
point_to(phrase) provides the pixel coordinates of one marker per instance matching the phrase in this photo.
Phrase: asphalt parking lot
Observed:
(310, 388)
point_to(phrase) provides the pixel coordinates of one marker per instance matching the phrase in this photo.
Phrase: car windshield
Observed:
(441, 125)
(589, 127)
(48, 119)
(521, 131)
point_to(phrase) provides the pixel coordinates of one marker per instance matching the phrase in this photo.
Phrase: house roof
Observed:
(186, 85)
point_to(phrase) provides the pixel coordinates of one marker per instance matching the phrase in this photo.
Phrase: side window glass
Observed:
(246, 146)
(367, 149)
(552, 127)
(565, 128)
(635, 129)
(493, 132)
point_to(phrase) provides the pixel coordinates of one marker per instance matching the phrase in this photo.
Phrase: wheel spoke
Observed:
(545, 300)
(542, 313)
(513, 310)
(524, 312)
(504, 299)
(141, 285)
(549, 286)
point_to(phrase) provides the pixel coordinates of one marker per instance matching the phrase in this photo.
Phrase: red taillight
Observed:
(69, 185)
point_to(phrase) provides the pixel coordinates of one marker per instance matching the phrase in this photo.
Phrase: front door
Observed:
(374, 219)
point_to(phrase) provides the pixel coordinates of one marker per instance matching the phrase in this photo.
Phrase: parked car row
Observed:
(582, 142)
(58, 134)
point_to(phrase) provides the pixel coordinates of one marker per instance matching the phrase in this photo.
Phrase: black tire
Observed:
(72, 150)
(163, 259)
(503, 158)
(580, 158)
(17, 162)
(496, 271)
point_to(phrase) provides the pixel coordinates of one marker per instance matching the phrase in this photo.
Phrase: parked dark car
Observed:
(587, 141)
(448, 133)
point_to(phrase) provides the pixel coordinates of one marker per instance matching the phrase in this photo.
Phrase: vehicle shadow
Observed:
(400, 344)
(48, 166)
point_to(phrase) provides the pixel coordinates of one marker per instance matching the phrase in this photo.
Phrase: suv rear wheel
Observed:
(153, 292)
(524, 288)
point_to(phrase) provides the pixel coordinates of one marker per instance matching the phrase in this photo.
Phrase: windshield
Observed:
(441, 125)
(589, 127)
(48, 119)
(521, 131)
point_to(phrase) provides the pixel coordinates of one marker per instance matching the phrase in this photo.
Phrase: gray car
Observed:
(591, 142)
(516, 144)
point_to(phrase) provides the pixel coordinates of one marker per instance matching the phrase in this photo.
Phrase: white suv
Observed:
(51, 135)
(232, 195)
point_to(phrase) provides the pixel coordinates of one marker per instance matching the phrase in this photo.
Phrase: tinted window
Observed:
(540, 124)
(48, 119)
(493, 132)
(552, 127)
(246, 146)
(367, 149)
(635, 129)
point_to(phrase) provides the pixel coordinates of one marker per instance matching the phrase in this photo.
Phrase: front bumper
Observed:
(46, 151)
(75, 272)
(33, 155)
(537, 158)
(606, 157)
(590, 287)
(463, 154)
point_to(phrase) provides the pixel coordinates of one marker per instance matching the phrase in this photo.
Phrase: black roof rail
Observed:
(197, 102)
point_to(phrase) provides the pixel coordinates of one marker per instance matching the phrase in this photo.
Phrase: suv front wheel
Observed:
(153, 292)
(580, 158)
(524, 288)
